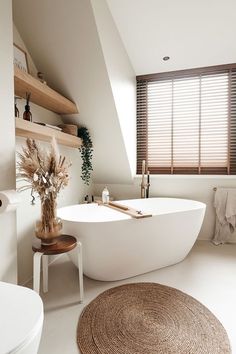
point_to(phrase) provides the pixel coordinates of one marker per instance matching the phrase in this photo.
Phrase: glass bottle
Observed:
(27, 114)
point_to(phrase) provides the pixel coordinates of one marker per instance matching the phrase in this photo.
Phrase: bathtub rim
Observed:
(124, 217)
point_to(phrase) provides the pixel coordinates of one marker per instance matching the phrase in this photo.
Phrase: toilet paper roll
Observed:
(9, 201)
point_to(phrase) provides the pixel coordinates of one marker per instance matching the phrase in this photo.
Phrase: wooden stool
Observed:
(65, 243)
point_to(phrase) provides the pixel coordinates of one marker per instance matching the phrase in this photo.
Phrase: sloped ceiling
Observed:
(63, 40)
(121, 75)
(193, 33)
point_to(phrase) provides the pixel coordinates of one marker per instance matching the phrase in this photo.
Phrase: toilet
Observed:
(21, 319)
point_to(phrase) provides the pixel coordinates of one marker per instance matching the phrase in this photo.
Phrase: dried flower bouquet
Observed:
(47, 174)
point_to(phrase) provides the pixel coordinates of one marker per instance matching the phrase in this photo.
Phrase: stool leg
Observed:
(45, 273)
(36, 275)
(80, 264)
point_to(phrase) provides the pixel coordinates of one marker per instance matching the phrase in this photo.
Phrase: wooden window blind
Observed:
(186, 121)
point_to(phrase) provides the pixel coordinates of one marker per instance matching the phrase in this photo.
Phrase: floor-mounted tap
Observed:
(148, 184)
(145, 185)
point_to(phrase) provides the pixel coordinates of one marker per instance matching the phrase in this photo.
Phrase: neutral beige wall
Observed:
(8, 267)
(74, 193)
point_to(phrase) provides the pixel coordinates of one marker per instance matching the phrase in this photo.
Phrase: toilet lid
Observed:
(21, 316)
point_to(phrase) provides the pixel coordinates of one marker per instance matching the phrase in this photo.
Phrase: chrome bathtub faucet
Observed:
(145, 185)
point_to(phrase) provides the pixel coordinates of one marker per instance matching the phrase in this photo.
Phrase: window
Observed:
(186, 121)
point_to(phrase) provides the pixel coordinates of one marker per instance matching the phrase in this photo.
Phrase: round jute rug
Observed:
(149, 318)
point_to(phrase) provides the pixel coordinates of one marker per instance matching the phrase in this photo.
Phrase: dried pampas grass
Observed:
(46, 172)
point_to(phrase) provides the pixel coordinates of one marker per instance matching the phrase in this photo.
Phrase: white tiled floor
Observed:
(208, 274)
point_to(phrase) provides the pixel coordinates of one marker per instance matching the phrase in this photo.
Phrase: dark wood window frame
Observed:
(143, 133)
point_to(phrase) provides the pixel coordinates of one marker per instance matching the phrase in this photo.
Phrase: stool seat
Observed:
(65, 243)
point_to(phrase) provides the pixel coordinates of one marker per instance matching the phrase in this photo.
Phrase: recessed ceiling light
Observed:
(166, 58)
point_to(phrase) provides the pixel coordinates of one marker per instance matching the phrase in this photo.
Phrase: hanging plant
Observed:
(86, 150)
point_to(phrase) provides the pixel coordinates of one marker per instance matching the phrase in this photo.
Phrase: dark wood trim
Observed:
(172, 127)
(233, 123)
(141, 126)
(200, 125)
(186, 72)
(146, 128)
(229, 121)
(188, 170)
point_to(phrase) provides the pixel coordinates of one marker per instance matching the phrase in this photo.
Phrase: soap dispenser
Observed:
(105, 195)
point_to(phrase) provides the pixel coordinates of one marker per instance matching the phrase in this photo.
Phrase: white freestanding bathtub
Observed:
(117, 246)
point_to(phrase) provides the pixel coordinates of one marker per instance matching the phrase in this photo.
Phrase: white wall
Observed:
(121, 75)
(74, 193)
(8, 255)
(190, 187)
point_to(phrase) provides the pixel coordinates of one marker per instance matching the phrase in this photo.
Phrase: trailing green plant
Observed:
(86, 150)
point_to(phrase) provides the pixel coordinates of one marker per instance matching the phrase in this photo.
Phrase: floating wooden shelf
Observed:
(41, 94)
(35, 131)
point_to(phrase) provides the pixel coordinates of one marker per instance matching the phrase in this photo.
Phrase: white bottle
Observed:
(105, 196)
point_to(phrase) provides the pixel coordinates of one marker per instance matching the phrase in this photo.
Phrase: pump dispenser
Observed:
(105, 195)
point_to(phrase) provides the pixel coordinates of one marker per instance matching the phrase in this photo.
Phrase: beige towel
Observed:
(225, 205)
(230, 213)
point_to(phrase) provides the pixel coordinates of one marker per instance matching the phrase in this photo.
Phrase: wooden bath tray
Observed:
(125, 210)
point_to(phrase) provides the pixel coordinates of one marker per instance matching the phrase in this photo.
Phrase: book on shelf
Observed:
(49, 125)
